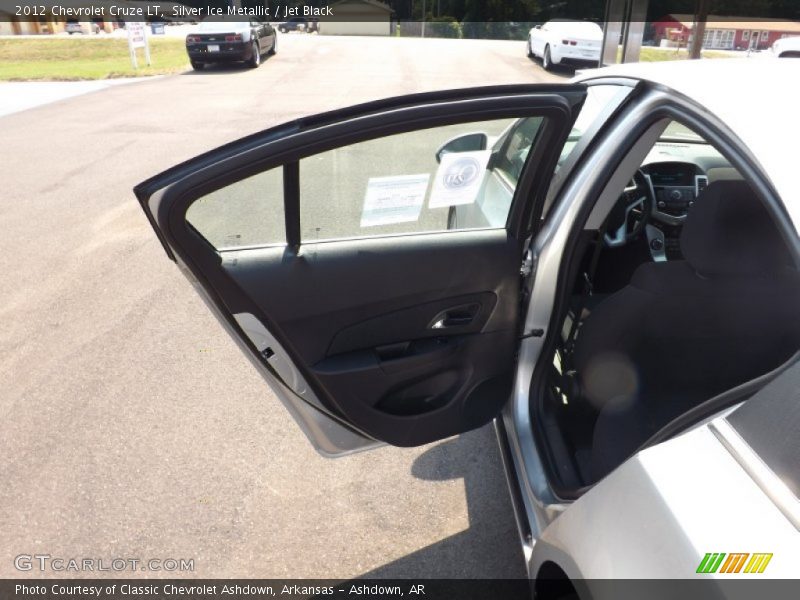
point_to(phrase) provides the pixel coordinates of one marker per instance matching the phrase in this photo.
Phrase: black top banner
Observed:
(460, 11)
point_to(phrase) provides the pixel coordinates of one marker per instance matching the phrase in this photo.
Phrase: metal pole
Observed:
(131, 48)
(634, 30)
(613, 28)
(146, 47)
(423, 18)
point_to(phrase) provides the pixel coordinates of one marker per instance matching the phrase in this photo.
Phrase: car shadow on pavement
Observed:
(489, 548)
(233, 67)
(558, 70)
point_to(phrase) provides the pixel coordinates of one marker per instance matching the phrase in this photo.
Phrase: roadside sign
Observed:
(137, 38)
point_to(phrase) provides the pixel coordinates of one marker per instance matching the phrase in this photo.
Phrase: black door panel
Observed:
(458, 315)
(329, 293)
(362, 318)
(439, 387)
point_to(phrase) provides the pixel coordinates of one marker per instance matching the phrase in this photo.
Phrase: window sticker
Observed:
(459, 178)
(396, 199)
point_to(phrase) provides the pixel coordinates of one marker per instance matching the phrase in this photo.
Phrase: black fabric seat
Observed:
(684, 331)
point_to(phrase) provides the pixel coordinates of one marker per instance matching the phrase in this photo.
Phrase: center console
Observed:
(674, 187)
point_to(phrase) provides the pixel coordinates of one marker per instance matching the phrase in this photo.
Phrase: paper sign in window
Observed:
(458, 178)
(391, 200)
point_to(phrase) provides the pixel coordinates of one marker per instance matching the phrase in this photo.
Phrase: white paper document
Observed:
(396, 199)
(458, 178)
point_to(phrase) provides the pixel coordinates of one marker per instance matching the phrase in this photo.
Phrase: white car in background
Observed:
(566, 42)
(788, 47)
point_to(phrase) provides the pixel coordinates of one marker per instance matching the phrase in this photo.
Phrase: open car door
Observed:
(323, 247)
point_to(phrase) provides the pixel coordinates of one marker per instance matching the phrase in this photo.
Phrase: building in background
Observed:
(358, 17)
(10, 24)
(724, 33)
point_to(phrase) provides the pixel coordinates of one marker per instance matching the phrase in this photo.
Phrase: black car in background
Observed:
(231, 41)
(299, 24)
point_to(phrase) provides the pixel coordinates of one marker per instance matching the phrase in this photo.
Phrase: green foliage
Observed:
(443, 27)
(53, 58)
(496, 30)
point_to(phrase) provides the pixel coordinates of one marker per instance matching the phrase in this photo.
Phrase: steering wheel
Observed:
(631, 212)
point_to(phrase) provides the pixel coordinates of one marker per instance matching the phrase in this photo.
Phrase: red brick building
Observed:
(726, 33)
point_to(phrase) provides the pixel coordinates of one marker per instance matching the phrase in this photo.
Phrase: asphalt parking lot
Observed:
(131, 425)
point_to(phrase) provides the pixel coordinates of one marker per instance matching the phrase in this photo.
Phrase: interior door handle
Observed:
(458, 316)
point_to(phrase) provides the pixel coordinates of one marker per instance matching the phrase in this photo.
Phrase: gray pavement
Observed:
(16, 96)
(130, 425)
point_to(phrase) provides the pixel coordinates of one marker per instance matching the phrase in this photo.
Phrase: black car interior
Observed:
(673, 310)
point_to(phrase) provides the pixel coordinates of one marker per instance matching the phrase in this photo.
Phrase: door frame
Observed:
(166, 198)
(527, 458)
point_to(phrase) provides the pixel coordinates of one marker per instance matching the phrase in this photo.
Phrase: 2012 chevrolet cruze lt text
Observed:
(607, 269)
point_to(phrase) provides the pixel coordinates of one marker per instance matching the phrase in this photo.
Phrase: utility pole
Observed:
(699, 29)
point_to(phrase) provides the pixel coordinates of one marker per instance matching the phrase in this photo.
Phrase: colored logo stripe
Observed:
(734, 563)
(758, 563)
(713, 562)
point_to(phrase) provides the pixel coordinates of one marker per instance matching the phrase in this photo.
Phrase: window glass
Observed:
(678, 132)
(452, 177)
(394, 184)
(600, 99)
(248, 212)
(515, 148)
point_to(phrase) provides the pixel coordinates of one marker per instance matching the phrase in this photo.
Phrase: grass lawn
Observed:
(74, 59)
(658, 54)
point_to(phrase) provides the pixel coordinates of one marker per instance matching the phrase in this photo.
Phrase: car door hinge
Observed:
(532, 333)
(526, 268)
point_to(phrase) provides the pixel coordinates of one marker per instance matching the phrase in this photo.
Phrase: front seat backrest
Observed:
(684, 331)
(729, 232)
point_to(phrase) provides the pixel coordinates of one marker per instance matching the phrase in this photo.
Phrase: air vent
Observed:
(700, 183)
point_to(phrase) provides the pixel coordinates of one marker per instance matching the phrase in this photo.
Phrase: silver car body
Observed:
(648, 519)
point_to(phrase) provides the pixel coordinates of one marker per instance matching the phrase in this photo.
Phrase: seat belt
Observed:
(588, 276)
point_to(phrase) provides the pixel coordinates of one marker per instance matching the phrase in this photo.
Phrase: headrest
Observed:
(729, 232)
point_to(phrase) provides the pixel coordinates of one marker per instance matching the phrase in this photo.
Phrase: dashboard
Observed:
(675, 186)
(677, 173)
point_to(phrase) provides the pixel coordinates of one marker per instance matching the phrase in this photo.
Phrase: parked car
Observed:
(217, 41)
(622, 301)
(73, 27)
(572, 43)
(788, 47)
(309, 25)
